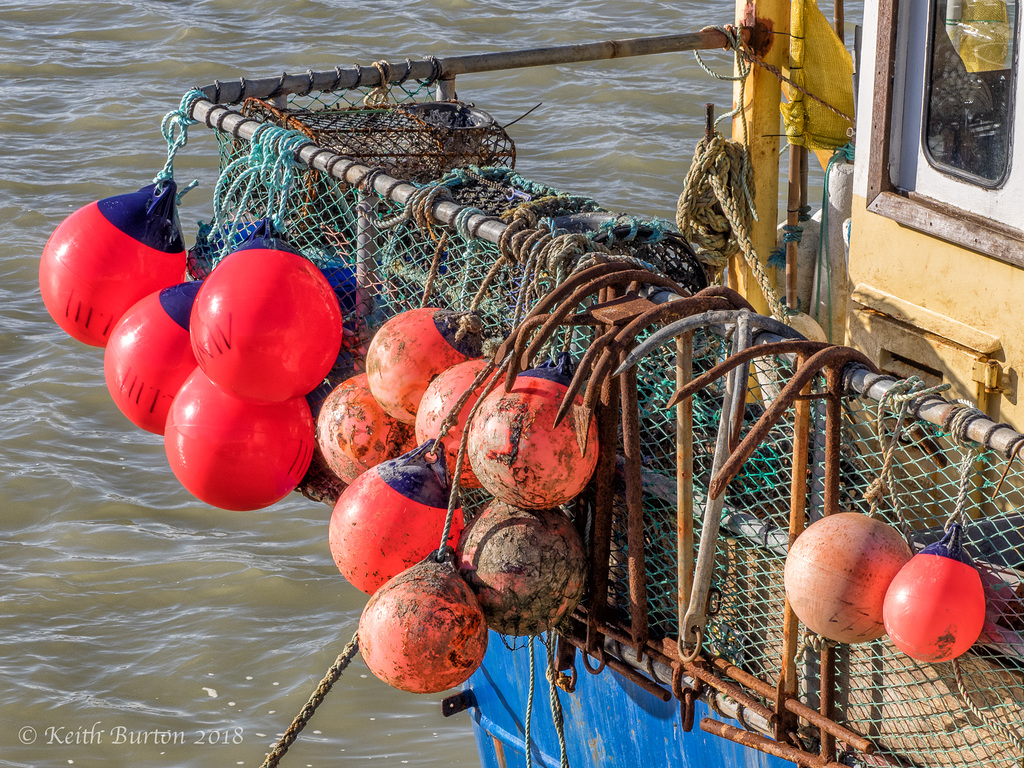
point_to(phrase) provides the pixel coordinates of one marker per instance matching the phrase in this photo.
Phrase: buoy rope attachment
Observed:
(174, 129)
(557, 716)
(309, 708)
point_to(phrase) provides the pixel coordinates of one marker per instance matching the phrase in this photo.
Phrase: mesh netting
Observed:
(381, 264)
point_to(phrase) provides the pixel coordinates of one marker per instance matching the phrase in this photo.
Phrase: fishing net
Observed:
(381, 260)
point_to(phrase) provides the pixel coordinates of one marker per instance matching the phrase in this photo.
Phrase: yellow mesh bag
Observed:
(980, 32)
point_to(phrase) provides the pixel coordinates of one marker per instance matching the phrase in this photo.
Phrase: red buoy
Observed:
(527, 568)
(517, 452)
(266, 325)
(235, 454)
(108, 255)
(423, 631)
(441, 394)
(837, 573)
(391, 517)
(149, 356)
(935, 606)
(353, 432)
(410, 349)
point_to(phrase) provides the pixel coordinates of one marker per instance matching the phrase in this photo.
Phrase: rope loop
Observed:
(174, 129)
(381, 94)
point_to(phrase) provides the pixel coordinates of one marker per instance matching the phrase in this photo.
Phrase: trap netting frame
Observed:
(386, 255)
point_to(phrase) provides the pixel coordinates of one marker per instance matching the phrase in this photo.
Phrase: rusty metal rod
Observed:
(764, 744)
(635, 560)
(734, 692)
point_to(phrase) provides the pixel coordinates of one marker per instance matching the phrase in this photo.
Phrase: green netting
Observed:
(381, 264)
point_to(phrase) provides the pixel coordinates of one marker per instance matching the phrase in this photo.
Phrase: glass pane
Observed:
(970, 88)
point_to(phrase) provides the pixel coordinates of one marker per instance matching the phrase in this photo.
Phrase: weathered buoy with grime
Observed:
(515, 449)
(527, 568)
(392, 517)
(423, 631)
(410, 349)
(838, 571)
(935, 606)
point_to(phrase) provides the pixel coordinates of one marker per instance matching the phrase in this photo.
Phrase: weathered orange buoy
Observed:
(837, 573)
(423, 631)
(353, 432)
(441, 394)
(526, 567)
(515, 449)
(391, 517)
(410, 349)
(935, 606)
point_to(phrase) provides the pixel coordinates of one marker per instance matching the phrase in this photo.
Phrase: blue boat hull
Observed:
(609, 721)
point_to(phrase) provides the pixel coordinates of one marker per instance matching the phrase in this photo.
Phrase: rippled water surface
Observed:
(131, 611)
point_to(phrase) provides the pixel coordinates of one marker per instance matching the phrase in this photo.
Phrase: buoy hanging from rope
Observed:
(108, 255)
(266, 325)
(392, 517)
(236, 454)
(935, 606)
(527, 568)
(517, 452)
(441, 394)
(355, 434)
(837, 573)
(410, 349)
(149, 356)
(423, 631)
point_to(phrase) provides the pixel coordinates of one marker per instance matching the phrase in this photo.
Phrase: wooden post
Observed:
(762, 93)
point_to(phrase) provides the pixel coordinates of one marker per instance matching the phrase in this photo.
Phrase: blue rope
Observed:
(174, 129)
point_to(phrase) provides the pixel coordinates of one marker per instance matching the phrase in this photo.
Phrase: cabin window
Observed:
(968, 100)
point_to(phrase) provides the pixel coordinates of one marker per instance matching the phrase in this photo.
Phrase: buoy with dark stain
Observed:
(353, 432)
(518, 454)
(935, 606)
(423, 631)
(108, 255)
(441, 394)
(527, 568)
(266, 325)
(149, 356)
(838, 571)
(235, 454)
(410, 349)
(392, 517)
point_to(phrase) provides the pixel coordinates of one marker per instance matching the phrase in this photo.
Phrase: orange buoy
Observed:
(235, 454)
(108, 255)
(441, 394)
(527, 568)
(423, 631)
(838, 571)
(515, 449)
(266, 325)
(410, 349)
(391, 517)
(353, 432)
(935, 606)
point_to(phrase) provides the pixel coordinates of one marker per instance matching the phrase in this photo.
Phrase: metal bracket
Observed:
(458, 702)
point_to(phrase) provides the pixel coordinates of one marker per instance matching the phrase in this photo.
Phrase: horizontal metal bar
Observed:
(234, 91)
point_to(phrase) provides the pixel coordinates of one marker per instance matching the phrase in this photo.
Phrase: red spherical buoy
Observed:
(935, 606)
(410, 349)
(441, 394)
(353, 432)
(392, 517)
(837, 573)
(527, 568)
(235, 454)
(108, 255)
(517, 452)
(266, 325)
(149, 356)
(423, 631)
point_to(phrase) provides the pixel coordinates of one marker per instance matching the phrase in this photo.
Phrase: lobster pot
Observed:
(417, 142)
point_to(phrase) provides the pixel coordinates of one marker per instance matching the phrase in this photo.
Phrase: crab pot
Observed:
(409, 350)
(423, 631)
(526, 567)
(837, 574)
(518, 453)
(353, 432)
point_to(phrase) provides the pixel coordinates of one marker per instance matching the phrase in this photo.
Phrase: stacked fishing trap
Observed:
(365, 215)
